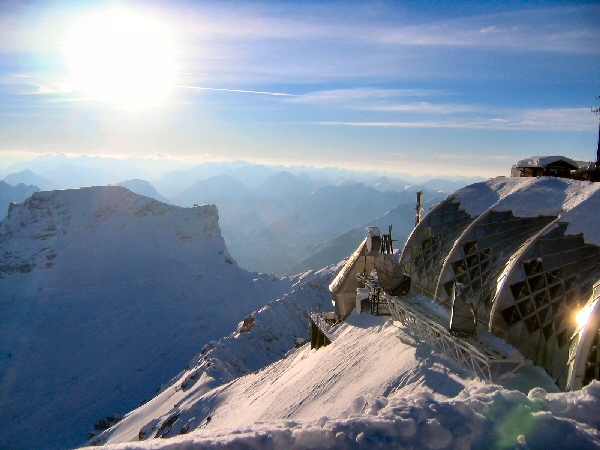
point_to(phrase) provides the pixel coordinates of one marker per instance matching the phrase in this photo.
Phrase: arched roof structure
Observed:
(526, 251)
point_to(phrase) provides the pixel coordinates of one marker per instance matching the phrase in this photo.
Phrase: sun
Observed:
(120, 57)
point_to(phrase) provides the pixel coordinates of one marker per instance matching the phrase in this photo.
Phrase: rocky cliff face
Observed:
(47, 221)
(104, 295)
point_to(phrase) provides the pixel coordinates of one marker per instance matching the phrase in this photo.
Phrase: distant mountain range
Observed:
(13, 193)
(170, 177)
(324, 253)
(274, 226)
(28, 177)
(142, 187)
(274, 218)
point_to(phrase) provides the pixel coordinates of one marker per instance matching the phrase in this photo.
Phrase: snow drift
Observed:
(575, 201)
(375, 388)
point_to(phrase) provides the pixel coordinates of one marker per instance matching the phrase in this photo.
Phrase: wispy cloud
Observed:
(474, 156)
(568, 119)
(398, 124)
(31, 84)
(428, 114)
(301, 42)
(552, 28)
(161, 156)
(361, 94)
(384, 100)
(427, 108)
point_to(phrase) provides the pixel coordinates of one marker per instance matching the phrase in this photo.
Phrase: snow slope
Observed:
(374, 386)
(105, 295)
(260, 339)
(480, 417)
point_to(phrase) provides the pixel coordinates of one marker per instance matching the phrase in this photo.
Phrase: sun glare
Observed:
(120, 57)
(583, 316)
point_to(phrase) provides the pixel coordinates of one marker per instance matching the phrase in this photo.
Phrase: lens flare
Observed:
(582, 317)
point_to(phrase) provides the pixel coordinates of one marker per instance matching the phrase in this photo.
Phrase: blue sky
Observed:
(443, 88)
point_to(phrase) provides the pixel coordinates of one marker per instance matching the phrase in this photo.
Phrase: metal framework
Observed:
(379, 306)
(321, 324)
(431, 241)
(480, 254)
(534, 308)
(483, 359)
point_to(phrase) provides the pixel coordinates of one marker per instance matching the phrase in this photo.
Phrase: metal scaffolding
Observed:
(321, 323)
(482, 358)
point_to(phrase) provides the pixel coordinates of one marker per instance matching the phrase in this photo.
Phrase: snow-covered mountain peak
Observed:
(104, 295)
(35, 230)
(73, 208)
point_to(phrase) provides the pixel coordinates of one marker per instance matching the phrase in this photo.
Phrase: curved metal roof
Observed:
(526, 251)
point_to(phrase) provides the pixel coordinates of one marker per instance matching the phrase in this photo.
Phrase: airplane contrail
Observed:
(243, 91)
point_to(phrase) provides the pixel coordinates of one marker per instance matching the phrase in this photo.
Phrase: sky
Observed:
(443, 88)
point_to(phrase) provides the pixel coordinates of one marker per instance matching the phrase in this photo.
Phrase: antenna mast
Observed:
(596, 111)
(419, 208)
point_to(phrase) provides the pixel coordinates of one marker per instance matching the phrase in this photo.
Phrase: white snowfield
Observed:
(104, 296)
(373, 387)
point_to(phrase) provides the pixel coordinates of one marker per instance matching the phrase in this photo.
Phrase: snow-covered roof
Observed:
(543, 161)
(500, 235)
(576, 201)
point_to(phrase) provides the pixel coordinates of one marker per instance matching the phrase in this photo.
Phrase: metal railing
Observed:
(321, 324)
(482, 358)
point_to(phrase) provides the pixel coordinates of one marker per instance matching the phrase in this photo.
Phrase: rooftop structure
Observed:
(555, 166)
(560, 166)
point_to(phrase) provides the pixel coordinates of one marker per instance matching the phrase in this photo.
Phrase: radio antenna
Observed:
(596, 111)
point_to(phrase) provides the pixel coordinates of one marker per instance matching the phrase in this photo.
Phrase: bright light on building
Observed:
(583, 316)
